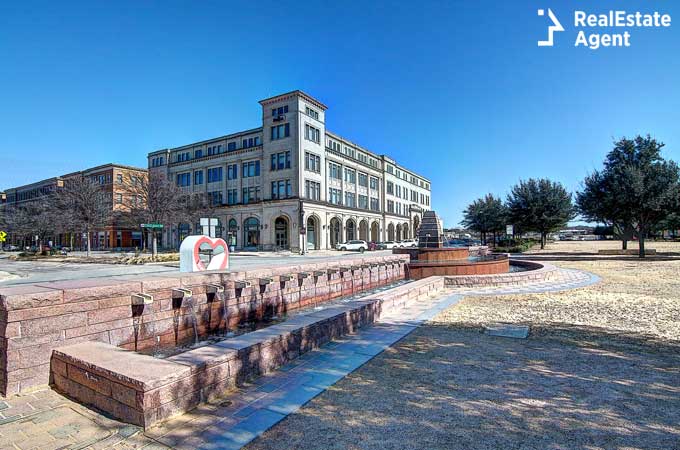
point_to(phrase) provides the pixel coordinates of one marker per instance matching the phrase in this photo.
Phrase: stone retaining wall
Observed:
(143, 390)
(35, 319)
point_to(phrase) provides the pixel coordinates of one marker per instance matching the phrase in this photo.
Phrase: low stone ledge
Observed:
(143, 390)
(626, 252)
(535, 272)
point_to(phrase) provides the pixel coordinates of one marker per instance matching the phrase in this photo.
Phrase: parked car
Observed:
(387, 245)
(359, 246)
(11, 248)
(408, 243)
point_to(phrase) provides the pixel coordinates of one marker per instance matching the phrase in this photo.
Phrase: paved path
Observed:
(30, 421)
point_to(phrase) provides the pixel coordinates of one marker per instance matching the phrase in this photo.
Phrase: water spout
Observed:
(185, 298)
(218, 291)
(137, 302)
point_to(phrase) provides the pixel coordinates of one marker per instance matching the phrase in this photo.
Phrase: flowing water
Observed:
(248, 327)
(191, 306)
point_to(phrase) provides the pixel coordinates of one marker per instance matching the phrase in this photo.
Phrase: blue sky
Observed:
(456, 90)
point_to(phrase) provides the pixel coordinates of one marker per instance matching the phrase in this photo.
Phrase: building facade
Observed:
(292, 184)
(112, 178)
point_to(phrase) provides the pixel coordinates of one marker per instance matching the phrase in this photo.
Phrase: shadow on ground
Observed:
(447, 387)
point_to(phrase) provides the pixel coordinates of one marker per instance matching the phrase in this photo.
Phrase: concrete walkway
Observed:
(252, 410)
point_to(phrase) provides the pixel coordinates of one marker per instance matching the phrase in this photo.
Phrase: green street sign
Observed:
(152, 225)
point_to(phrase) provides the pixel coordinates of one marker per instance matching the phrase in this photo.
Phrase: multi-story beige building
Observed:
(292, 184)
(111, 177)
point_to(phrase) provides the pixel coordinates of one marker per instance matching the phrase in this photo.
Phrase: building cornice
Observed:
(293, 94)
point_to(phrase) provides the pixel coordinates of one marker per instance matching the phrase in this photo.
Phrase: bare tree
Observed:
(197, 206)
(150, 200)
(84, 205)
(34, 219)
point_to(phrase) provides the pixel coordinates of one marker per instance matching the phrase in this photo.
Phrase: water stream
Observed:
(248, 327)
(191, 306)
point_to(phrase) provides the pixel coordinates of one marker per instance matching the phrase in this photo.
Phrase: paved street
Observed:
(43, 271)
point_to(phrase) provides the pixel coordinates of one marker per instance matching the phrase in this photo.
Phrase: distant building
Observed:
(111, 177)
(292, 184)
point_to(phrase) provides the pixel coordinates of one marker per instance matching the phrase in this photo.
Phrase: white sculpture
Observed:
(199, 253)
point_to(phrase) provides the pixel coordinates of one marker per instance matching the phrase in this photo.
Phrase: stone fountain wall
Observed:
(37, 319)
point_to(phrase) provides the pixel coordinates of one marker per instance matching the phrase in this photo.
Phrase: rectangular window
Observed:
(280, 131)
(251, 194)
(214, 174)
(232, 196)
(251, 169)
(119, 178)
(312, 113)
(374, 183)
(232, 171)
(390, 206)
(375, 204)
(363, 201)
(198, 177)
(390, 187)
(281, 189)
(216, 198)
(350, 176)
(119, 198)
(350, 199)
(184, 179)
(334, 171)
(250, 142)
(363, 179)
(312, 134)
(231, 146)
(414, 196)
(198, 154)
(312, 162)
(279, 111)
(335, 196)
(312, 190)
(280, 161)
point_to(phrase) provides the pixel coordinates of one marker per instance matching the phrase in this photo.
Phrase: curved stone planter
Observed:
(536, 272)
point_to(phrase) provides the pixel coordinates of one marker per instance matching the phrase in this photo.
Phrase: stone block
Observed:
(28, 296)
(53, 324)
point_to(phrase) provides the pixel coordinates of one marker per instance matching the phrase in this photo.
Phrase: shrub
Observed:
(514, 245)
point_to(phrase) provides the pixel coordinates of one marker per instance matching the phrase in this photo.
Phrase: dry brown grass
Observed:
(594, 246)
(634, 297)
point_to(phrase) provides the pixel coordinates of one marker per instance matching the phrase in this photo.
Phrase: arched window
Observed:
(251, 232)
(232, 232)
(312, 234)
(281, 232)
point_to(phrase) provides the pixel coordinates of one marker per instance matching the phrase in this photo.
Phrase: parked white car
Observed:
(388, 245)
(359, 246)
(408, 243)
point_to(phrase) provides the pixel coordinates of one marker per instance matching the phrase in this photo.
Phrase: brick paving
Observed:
(47, 420)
